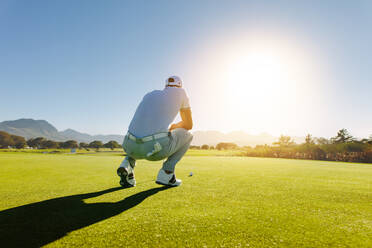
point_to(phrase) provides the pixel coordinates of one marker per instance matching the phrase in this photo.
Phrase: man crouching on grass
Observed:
(150, 138)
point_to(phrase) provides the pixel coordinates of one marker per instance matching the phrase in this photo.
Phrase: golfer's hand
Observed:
(173, 126)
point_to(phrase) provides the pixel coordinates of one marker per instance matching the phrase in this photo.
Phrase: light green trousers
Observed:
(173, 148)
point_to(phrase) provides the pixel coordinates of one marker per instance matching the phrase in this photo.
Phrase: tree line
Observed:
(8, 140)
(342, 147)
(219, 146)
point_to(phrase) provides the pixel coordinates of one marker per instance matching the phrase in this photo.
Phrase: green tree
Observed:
(36, 142)
(309, 140)
(50, 144)
(69, 144)
(226, 146)
(343, 136)
(96, 144)
(354, 147)
(284, 141)
(205, 147)
(5, 140)
(19, 142)
(112, 144)
(83, 145)
(322, 141)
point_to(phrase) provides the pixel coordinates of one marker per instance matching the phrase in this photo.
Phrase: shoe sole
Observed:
(164, 184)
(123, 173)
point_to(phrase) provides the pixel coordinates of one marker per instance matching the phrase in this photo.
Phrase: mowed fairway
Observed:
(50, 200)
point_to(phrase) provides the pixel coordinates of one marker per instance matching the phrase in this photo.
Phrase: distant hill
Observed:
(75, 135)
(84, 137)
(30, 128)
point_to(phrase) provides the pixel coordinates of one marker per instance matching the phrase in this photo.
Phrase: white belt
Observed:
(147, 138)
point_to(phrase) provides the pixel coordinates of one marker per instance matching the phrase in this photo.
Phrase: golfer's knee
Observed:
(190, 136)
(187, 134)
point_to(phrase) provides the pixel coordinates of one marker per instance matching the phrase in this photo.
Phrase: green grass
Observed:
(191, 152)
(202, 153)
(229, 202)
(89, 150)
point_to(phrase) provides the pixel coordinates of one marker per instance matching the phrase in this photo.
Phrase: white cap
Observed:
(173, 81)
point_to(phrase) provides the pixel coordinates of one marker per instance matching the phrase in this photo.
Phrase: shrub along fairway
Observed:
(74, 200)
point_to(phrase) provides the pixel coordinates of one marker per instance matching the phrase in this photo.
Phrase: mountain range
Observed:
(30, 128)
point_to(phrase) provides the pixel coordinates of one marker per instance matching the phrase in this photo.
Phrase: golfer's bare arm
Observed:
(186, 122)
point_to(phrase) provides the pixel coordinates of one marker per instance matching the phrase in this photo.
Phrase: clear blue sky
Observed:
(86, 64)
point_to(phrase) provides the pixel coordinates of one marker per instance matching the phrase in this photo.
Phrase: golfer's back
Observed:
(157, 110)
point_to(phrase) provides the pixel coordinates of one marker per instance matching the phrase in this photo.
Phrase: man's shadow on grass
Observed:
(40, 223)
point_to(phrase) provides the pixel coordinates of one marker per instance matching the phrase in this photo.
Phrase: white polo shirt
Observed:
(157, 111)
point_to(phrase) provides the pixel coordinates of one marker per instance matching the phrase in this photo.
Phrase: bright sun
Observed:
(258, 72)
(259, 84)
(260, 77)
(264, 85)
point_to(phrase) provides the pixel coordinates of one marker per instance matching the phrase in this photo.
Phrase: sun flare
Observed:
(259, 77)
(261, 83)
